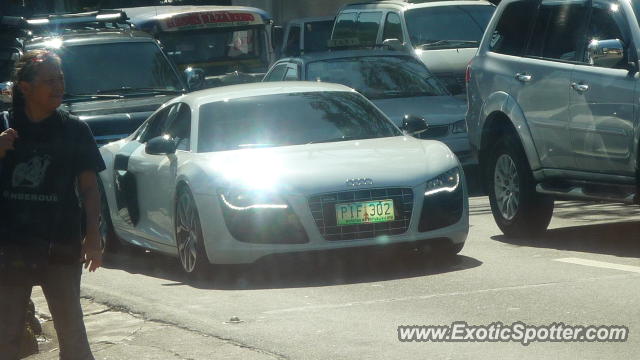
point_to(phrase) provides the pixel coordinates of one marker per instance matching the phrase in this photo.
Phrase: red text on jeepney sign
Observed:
(216, 18)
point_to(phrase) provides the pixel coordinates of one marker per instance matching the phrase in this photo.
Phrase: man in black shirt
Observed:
(48, 175)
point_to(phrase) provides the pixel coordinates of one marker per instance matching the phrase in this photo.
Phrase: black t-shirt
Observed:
(40, 210)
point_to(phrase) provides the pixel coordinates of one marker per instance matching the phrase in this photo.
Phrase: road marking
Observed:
(600, 264)
(440, 295)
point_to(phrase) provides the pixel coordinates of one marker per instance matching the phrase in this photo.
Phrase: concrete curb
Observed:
(115, 334)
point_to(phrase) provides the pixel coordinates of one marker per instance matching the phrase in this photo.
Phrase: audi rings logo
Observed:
(359, 182)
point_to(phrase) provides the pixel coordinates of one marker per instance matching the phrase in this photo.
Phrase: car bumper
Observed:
(222, 248)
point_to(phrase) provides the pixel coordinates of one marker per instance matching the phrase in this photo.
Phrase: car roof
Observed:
(403, 5)
(92, 36)
(257, 89)
(311, 19)
(143, 14)
(340, 54)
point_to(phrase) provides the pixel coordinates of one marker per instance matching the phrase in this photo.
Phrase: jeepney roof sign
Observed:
(208, 19)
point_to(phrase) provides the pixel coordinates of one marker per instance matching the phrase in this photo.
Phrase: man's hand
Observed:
(7, 139)
(91, 253)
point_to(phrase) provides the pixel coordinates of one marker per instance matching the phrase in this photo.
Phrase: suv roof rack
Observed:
(92, 19)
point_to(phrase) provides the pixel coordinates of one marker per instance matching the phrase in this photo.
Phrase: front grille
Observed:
(435, 131)
(323, 208)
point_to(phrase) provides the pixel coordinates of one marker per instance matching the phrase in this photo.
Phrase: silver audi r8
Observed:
(232, 174)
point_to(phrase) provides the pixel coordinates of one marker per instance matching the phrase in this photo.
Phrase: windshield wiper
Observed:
(336, 139)
(250, 146)
(80, 97)
(455, 43)
(130, 90)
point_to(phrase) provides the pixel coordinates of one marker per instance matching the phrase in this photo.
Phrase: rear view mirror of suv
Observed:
(605, 53)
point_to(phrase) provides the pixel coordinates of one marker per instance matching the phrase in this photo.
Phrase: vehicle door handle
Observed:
(523, 77)
(580, 87)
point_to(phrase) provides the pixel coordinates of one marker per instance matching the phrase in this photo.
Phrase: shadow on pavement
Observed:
(618, 239)
(311, 269)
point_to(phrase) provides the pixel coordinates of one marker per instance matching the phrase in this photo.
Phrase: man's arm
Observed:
(91, 252)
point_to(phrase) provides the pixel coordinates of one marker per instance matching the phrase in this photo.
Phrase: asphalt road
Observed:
(348, 305)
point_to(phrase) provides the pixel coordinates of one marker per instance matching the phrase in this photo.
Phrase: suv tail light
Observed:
(467, 74)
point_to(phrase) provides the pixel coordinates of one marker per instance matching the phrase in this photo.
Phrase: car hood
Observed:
(117, 106)
(325, 167)
(436, 110)
(114, 119)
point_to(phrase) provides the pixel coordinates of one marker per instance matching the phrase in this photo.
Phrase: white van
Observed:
(443, 34)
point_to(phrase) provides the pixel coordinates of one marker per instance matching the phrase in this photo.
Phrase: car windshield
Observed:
(123, 67)
(290, 119)
(218, 51)
(448, 26)
(378, 77)
(316, 35)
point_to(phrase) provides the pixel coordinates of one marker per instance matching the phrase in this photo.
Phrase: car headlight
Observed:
(260, 217)
(459, 127)
(238, 200)
(443, 203)
(449, 181)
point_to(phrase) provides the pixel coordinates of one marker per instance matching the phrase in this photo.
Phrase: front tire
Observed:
(516, 206)
(189, 239)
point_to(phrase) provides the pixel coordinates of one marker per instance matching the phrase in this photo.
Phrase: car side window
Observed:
(558, 30)
(392, 27)
(368, 25)
(277, 73)
(345, 26)
(511, 33)
(180, 127)
(155, 125)
(607, 22)
(292, 73)
(292, 48)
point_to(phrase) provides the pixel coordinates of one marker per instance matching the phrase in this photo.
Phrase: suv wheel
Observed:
(516, 206)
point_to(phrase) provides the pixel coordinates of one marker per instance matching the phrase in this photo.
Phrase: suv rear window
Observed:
(363, 26)
(511, 33)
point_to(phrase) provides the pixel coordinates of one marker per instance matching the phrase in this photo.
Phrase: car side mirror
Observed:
(195, 78)
(605, 53)
(413, 125)
(161, 145)
(394, 44)
(277, 36)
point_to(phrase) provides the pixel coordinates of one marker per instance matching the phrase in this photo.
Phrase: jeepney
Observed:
(213, 45)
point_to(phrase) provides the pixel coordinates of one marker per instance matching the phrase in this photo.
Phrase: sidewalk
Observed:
(118, 335)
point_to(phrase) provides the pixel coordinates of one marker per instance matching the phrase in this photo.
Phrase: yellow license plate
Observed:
(365, 212)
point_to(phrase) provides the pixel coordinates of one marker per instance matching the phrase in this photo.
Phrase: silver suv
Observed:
(553, 107)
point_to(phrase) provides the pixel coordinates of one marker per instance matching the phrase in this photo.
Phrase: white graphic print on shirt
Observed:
(32, 173)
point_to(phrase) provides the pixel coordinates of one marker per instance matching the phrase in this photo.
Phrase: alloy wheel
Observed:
(187, 229)
(507, 186)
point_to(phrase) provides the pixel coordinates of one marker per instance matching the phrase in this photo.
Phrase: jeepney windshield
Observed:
(218, 51)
